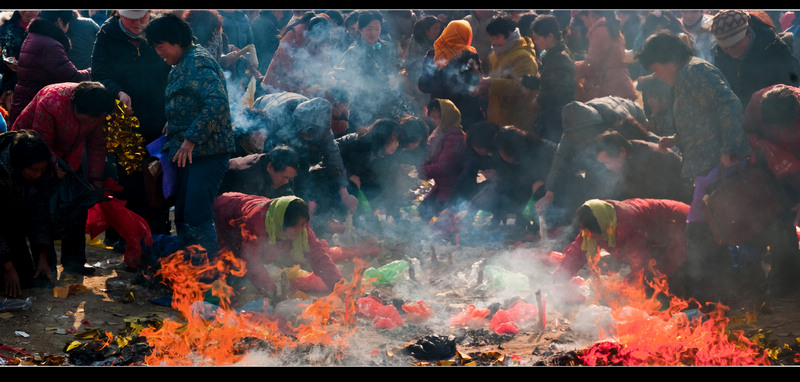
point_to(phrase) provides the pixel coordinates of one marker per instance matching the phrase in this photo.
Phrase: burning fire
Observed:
(223, 339)
(648, 333)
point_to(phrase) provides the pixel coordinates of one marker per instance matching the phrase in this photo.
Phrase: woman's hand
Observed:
(544, 202)
(126, 100)
(13, 287)
(184, 154)
(666, 142)
(43, 268)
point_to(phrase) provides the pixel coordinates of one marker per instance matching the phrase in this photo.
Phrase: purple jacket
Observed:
(43, 61)
(445, 162)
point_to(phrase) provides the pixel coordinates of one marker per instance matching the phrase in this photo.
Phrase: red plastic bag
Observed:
(471, 317)
(360, 251)
(417, 312)
(503, 322)
(130, 226)
(387, 317)
(522, 312)
(368, 306)
(310, 283)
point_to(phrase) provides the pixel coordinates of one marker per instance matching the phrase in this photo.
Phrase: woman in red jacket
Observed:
(634, 231)
(264, 231)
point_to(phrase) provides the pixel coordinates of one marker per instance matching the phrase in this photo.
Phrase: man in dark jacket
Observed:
(132, 71)
(750, 54)
(646, 171)
(264, 174)
(304, 124)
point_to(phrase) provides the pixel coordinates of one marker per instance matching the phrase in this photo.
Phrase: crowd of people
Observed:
(276, 127)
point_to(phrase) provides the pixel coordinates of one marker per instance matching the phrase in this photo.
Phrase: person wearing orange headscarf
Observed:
(452, 69)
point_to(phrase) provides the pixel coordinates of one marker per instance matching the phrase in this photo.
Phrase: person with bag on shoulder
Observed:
(70, 118)
(25, 170)
(708, 132)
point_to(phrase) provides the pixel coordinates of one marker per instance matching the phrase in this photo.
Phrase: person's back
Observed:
(237, 26)
(43, 61)
(266, 29)
(82, 33)
(654, 174)
(603, 71)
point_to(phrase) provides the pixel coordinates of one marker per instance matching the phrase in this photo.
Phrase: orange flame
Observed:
(218, 341)
(649, 333)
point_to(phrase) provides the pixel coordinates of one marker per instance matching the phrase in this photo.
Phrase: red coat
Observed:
(787, 139)
(603, 72)
(253, 246)
(51, 115)
(646, 229)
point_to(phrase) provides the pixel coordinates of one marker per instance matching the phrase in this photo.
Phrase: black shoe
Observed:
(80, 269)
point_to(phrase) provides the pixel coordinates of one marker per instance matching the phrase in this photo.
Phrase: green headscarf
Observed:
(274, 227)
(606, 217)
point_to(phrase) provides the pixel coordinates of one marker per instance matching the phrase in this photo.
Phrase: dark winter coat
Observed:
(360, 159)
(653, 174)
(124, 64)
(289, 114)
(516, 179)
(454, 82)
(768, 61)
(12, 34)
(24, 206)
(43, 61)
(556, 88)
(252, 178)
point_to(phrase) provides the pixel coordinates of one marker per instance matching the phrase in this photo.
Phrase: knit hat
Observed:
(729, 27)
(578, 115)
(134, 14)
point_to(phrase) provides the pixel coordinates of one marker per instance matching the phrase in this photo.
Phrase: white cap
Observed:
(134, 14)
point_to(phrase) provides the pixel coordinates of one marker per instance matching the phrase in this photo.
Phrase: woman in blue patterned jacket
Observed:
(199, 127)
(708, 131)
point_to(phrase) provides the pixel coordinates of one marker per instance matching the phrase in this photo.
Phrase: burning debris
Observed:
(427, 303)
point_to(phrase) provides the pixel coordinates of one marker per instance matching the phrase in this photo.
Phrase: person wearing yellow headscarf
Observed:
(445, 157)
(264, 231)
(634, 231)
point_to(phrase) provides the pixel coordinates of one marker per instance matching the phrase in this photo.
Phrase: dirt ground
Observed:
(40, 333)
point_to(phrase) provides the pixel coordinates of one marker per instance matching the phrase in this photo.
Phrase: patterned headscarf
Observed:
(273, 222)
(455, 38)
(606, 217)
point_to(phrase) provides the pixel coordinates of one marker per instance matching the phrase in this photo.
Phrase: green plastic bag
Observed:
(363, 203)
(386, 274)
(506, 280)
(529, 212)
